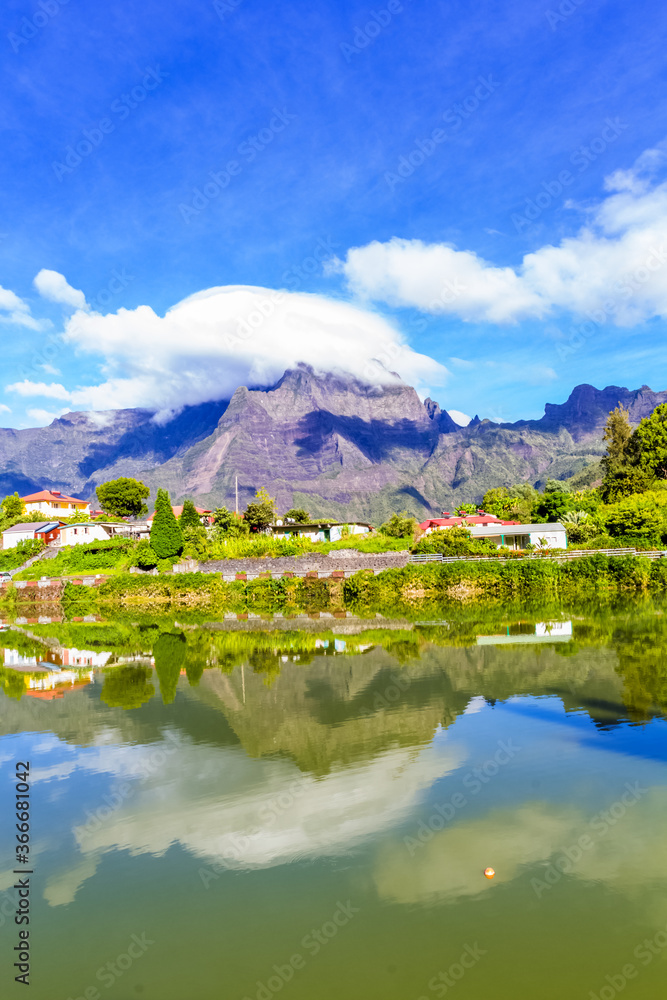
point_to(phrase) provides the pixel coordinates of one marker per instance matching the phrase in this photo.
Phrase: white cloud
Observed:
(27, 388)
(4, 408)
(15, 310)
(462, 419)
(612, 270)
(44, 417)
(53, 286)
(49, 369)
(212, 342)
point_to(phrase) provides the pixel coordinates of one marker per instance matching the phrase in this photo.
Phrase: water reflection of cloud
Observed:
(628, 856)
(232, 810)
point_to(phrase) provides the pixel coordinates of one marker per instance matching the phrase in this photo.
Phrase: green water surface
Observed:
(266, 809)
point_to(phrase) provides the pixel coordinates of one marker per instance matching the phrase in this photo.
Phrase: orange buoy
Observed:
(489, 872)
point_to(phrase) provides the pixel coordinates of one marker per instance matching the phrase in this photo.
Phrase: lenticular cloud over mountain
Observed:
(213, 341)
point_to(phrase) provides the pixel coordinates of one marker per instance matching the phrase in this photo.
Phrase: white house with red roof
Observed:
(53, 502)
(511, 534)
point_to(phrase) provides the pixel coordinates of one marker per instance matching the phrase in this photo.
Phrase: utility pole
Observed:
(236, 509)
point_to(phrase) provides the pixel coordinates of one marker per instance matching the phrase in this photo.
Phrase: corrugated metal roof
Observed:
(33, 526)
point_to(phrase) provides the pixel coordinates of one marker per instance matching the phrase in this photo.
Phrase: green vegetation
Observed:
(166, 534)
(228, 524)
(127, 686)
(261, 511)
(298, 515)
(169, 652)
(13, 558)
(401, 525)
(123, 497)
(189, 517)
(12, 508)
(83, 560)
(454, 542)
(144, 555)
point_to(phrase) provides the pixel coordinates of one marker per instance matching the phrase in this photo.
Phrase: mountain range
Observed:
(324, 441)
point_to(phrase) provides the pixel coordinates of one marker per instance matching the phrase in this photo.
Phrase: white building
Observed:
(329, 531)
(517, 536)
(45, 531)
(83, 532)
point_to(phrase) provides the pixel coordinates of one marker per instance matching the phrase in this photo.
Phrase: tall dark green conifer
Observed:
(189, 517)
(166, 534)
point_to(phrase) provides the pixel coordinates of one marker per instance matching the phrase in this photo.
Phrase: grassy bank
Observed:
(395, 591)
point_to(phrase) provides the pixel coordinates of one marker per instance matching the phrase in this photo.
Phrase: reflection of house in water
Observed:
(56, 684)
(60, 657)
(527, 632)
(55, 672)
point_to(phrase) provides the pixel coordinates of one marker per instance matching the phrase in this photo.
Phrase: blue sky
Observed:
(305, 113)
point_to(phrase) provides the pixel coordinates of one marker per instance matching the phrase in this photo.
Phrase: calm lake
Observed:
(304, 809)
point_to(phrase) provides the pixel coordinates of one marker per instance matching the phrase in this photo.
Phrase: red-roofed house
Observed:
(510, 534)
(205, 515)
(53, 501)
(454, 520)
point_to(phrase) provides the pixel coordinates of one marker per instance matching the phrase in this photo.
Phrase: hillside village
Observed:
(625, 509)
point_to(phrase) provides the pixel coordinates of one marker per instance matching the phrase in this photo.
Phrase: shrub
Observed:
(399, 526)
(453, 541)
(144, 555)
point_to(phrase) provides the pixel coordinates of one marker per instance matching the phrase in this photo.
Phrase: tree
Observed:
(260, 512)
(617, 434)
(553, 505)
(13, 507)
(642, 514)
(556, 486)
(399, 526)
(169, 652)
(127, 687)
(227, 523)
(466, 508)
(298, 515)
(123, 497)
(497, 501)
(620, 483)
(194, 542)
(189, 517)
(166, 534)
(648, 446)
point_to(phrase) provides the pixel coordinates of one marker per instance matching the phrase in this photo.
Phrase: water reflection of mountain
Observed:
(323, 702)
(339, 710)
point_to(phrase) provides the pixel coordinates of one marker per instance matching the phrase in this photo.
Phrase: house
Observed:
(511, 534)
(83, 532)
(323, 531)
(44, 531)
(49, 501)
(518, 536)
(206, 516)
(456, 520)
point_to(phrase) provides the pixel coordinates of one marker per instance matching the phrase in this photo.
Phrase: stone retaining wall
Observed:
(317, 564)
